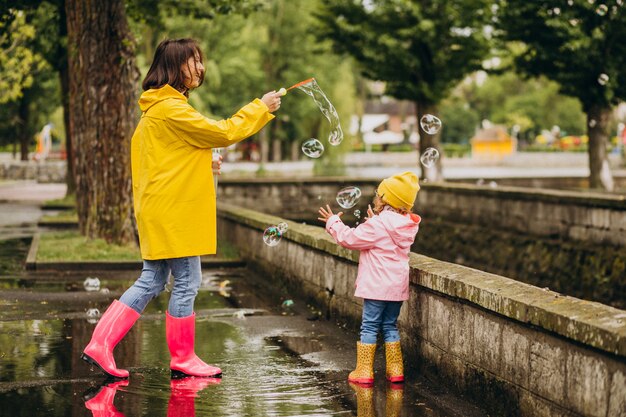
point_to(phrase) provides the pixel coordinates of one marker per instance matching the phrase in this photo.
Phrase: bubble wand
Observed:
(283, 90)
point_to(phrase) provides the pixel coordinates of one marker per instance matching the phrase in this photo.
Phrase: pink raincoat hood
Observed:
(401, 229)
(385, 243)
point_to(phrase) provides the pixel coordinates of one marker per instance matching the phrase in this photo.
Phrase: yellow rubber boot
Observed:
(364, 372)
(395, 368)
(393, 405)
(364, 400)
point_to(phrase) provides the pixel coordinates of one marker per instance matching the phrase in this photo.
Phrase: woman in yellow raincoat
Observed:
(174, 200)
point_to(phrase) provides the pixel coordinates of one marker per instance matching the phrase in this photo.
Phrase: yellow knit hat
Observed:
(400, 190)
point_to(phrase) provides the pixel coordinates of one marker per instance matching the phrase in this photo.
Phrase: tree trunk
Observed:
(295, 150)
(435, 172)
(102, 102)
(597, 126)
(69, 151)
(64, 78)
(263, 146)
(23, 120)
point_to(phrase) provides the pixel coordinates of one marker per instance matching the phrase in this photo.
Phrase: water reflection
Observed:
(100, 400)
(41, 373)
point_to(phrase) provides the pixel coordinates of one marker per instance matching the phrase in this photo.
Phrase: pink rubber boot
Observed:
(184, 393)
(180, 334)
(112, 327)
(101, 405)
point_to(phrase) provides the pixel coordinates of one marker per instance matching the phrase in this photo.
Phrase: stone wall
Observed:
(521, 350)
(570, 242)
(43, 172)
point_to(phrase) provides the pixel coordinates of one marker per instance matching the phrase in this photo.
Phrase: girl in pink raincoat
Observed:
(385, 241)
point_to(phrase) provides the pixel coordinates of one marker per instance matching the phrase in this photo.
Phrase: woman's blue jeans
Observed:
(380, 316)
(187, 278)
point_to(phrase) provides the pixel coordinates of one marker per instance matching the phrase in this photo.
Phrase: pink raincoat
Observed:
(385, 242)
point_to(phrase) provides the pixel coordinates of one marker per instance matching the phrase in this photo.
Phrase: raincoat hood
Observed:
(156, 95)
(402, 229)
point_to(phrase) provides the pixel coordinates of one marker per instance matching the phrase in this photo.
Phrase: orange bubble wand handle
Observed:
(301, 83)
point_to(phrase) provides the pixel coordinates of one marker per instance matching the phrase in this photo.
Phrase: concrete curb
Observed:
(33, 265)
(590, 323)
(32, 252)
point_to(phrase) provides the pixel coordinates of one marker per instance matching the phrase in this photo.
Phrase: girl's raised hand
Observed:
(327, 213)
(370, 212)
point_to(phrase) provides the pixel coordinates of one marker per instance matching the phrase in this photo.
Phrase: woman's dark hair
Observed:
(170, 55)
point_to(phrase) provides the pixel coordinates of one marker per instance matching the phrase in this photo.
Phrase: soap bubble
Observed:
(357, 214)
(91, 284)
(602, 9)
(335, 136)
(347, 197)
(313, 148)
(603, 79)
(282, 227)
(493, 184)
(93, 314)
(287, 303)
(272, 236)
(430, 124)
(429, 157)
(592, 123)
(312, 89)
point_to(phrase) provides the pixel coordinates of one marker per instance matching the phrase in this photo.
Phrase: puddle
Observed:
(265, 355)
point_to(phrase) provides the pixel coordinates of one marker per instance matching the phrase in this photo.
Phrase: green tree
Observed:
(420, 49)
(532, 104)
(271, 50)
(461, 121)
(22, 68)
(580, 44)
(18, 62)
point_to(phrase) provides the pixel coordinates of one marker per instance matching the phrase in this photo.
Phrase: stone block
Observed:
(516, 355)
(438, 323)
(533, 406)
(487, 350)
(547, 369)
(617, 393)
(461, 331)
(587, 383)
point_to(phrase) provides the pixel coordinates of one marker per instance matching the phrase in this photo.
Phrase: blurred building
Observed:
(386, 122)
(493, 143)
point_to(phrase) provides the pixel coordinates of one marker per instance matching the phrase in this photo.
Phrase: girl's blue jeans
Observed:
(187, 278)
(380, 316)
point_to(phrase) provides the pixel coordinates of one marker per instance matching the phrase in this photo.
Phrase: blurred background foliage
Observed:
(252, 46)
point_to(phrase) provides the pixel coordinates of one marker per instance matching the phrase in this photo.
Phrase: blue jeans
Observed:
(187, 278)
(380, 316)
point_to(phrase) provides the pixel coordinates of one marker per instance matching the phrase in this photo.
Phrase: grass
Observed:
(69, 202)
(70, 246)
(69, 216)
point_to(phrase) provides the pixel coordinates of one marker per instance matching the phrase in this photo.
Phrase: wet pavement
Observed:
(278, 358)
(276, 361)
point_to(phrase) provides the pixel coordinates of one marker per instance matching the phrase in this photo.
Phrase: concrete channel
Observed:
(278, 358)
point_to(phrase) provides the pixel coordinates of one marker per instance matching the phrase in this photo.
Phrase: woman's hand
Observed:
(327, 213)
(216, 165)
(272, 100)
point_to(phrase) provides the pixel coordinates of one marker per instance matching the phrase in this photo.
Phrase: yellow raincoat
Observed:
(174, 195)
